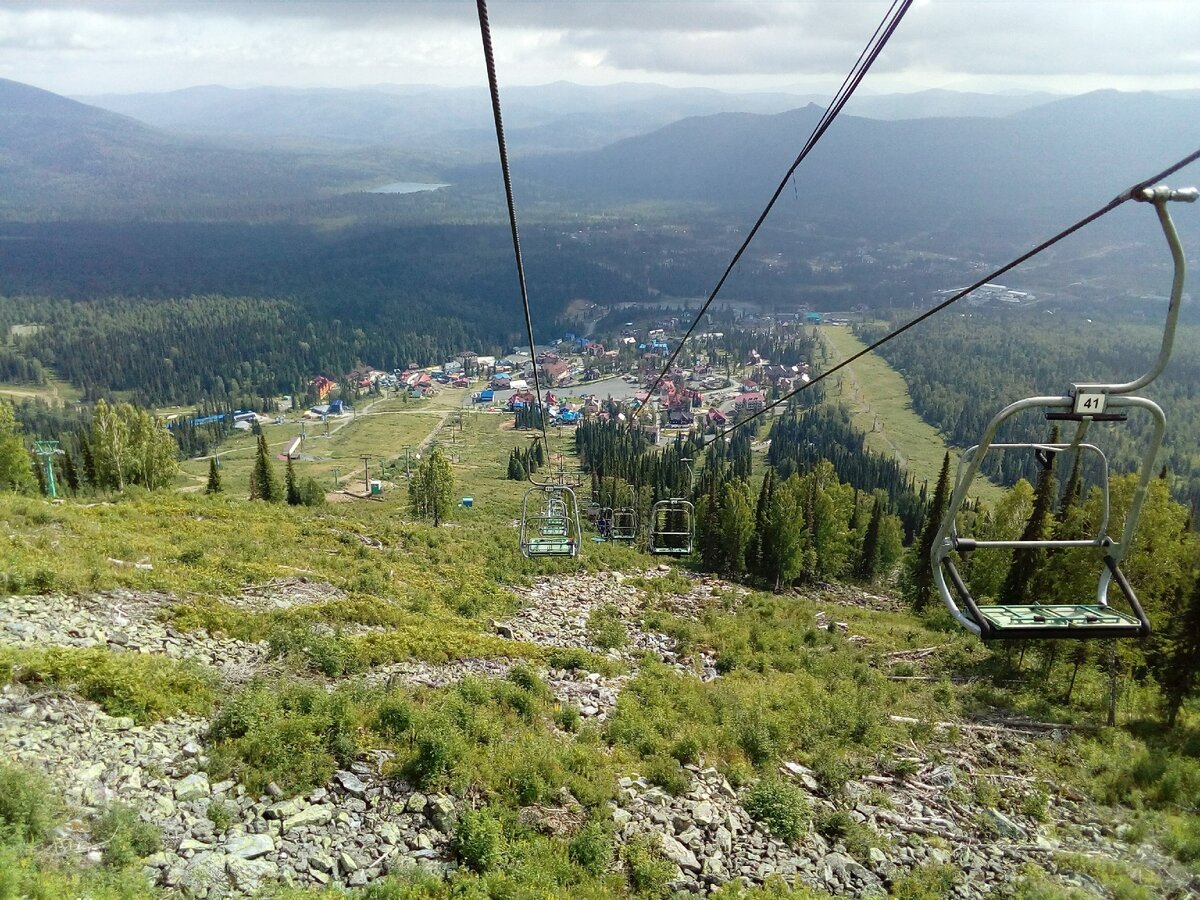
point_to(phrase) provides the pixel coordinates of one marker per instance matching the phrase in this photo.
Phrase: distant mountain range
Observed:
(60, 157)
(966, 179)
(962, 177)
(546, 118)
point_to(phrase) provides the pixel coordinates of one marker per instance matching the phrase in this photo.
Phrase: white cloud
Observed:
(87, 46)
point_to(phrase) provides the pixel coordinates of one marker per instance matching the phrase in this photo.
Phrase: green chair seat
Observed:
(1056, 618)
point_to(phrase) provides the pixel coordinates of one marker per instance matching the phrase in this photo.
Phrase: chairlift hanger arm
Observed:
(1160, 196)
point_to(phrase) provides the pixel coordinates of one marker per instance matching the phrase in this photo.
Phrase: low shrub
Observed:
(394, 717)
(780, 806)
(293, 733)
(929, 882)
(331, 655)
(664, 771)
(648, 871)
(29, 807)
(126, 838)
(221, 814)
(478, 840)
(838, 826)
(568, 718)
(147, 688)
(605, 627)
(592, 848)
(578, 659)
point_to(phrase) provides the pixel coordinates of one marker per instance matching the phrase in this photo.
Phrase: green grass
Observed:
(146, 688)
(54, 391)
(872, 390)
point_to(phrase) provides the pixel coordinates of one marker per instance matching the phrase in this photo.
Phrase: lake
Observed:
(405, 187)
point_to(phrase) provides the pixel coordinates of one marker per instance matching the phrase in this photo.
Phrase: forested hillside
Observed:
(962, 371)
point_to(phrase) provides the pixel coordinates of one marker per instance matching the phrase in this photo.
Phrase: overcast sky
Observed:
(1067, 46)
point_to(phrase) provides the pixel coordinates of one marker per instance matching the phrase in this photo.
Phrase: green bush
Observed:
(1036, 805)
(649, 872)
(605, 627)
(293, 733)
(687, 749)
(1181, 838)
(478, 839)
(27, 873)
(332, 655)
(144, 687)
(929, 882)
(439, 748)
(568, 718)
(221, 814)
(524, 677)
(29, 807)
(125, 837)
(666, 772)
(576, 659)
(839, 826)
(592, 848)
(394, 717)
(780, 806)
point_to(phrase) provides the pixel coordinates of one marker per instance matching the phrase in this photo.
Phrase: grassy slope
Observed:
(873, 389)
(821, 695)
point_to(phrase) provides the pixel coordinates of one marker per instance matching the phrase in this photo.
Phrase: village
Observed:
(581, 378)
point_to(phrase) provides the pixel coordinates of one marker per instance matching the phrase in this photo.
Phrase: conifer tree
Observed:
(40, 472)
(1176, 664)
(871, 554)
(736, 526)
(755, 551)
(292, 488)
(431, 490)
(919, 583)
(70, 472)
(214, 477)
(1025, 561)
(264, 482)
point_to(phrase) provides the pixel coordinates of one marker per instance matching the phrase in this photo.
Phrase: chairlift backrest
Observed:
(673, 527)
(549, 522)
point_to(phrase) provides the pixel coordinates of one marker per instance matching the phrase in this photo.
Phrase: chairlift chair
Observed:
(673, 523)
(1084, 404)
(549, 521)
(673, 527)
(624, 524)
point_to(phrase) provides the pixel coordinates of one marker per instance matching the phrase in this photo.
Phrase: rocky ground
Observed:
(363, 825)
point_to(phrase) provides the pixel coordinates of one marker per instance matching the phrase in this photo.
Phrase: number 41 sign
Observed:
(1088, 404)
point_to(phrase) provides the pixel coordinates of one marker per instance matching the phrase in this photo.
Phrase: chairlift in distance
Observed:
(624, 524)
(673, 524)
(550, 520)
(1085, 404)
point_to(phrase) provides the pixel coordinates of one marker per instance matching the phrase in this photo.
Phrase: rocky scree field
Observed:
(631, 732)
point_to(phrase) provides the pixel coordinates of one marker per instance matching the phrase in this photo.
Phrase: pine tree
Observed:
(214, 477)
(870, 557)
(431, 490)
(264, 482)
(755, 551)
(1177, 664)
(292, 488)
(919, 581)
(40, 471)
(1025, 561)
(736, 525)
(70, 472)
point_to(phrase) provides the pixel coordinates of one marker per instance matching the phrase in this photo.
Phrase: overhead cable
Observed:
(862, 65)
(494, 87)
(1112, 204)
